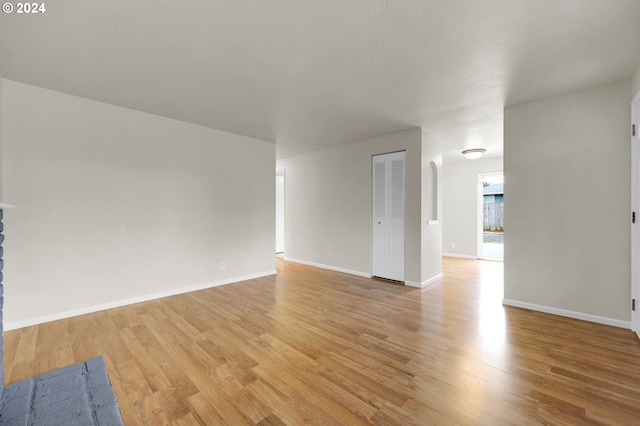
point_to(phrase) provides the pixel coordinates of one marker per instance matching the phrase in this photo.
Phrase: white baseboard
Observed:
(329, 267)
(426, 283)
(462, 256)
(12, 325)
(570, 314)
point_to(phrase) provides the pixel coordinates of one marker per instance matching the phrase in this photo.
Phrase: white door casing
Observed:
(635, 207)
(388, 210)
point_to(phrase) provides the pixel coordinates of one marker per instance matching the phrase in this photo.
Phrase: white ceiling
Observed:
(309, 74)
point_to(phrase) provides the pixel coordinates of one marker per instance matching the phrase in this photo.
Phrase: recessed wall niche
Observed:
(432, 194)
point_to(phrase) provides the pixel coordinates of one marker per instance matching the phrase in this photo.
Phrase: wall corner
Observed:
(431, 207)
(635, 84)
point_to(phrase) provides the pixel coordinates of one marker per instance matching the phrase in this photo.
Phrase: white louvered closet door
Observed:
(388, 216)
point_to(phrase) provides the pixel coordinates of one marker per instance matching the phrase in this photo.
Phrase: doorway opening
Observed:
(491, 216)
(280, 213)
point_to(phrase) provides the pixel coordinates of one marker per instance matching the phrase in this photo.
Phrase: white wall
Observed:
(116, 205)
(1, 103)
(635, 83)
(567, 186)
(460, 210)
(328, 204)
(431, 239)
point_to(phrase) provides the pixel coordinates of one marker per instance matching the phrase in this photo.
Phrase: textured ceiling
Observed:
(309, 74)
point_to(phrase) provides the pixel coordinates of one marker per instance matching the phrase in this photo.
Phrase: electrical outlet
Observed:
(223, 266)
(453, 245)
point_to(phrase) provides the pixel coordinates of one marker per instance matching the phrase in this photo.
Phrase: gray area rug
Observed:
(77, 395)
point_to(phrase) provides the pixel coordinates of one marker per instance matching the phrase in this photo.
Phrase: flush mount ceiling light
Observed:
(474, 153)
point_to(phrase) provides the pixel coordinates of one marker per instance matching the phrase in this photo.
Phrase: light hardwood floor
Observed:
(311, 346)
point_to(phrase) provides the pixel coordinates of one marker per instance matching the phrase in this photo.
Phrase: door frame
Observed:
(635, 207)
(281, 173)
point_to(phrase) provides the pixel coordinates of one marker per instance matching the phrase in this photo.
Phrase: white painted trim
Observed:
(462, 256)
(426, 283)
(329, 267)
(570, 314)
(90, 309)
(492, 259)
(635, 207)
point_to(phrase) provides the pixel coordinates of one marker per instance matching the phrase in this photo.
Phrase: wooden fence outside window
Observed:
(493, 217)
